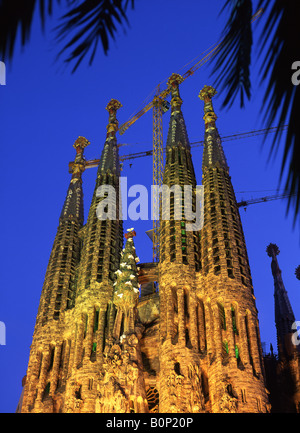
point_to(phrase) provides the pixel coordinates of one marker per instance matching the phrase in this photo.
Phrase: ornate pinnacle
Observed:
(272, 250)
(173, 83)
(113, 105)
(113, 124)
(80, 144)
(206, 94)
(79, 163)
(175, 80)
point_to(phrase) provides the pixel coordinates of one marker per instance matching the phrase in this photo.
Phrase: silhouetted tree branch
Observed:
(94, 22)
(89, 22)
(279, 49)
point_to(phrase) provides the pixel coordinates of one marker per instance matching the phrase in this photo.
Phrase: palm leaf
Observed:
(282, 98)
(279, 50)
(90, 22)
(15, 14)
(232, 65)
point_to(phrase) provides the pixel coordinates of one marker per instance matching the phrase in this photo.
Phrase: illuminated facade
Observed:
(104, 342)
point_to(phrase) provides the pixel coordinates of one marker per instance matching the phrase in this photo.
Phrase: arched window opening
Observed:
(222, 319)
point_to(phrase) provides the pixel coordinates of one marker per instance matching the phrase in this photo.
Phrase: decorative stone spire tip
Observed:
(80, 144)
(113, 105)
(206, 94)
(113, 123)
(173, 83)
(79, 163)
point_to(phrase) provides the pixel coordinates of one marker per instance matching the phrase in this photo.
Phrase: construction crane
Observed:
(160, 105)
(95, 162)
(160, 96)
(201, 143)
(245, 203)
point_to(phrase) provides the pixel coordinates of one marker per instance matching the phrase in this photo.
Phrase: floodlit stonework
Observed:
(113, 335)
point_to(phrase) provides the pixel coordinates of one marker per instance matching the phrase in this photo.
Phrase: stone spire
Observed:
(73, 206)
(99, 257)
(177, 134)
(288, 367)
(222, 236)
(57, 298)
(213, 155)
(59, 291)
(178, 173)
(110, 158)
(284, 316)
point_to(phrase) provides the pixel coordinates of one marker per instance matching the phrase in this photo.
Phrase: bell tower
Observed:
(58, 296)
(288, 365)
(232, 346)
(180, 385)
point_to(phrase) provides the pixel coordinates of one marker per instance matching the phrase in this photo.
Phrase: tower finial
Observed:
(73, 205)
(79, 163)
(173, 82)
(113, 124)
(110, 157)
(177, 134)
(213, 154)
(206, 95)
(80, 144)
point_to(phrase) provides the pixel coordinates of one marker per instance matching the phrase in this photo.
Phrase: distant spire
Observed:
(284, 316)
(110, 154)
(177, 134)
(213, 154)
(73, 206)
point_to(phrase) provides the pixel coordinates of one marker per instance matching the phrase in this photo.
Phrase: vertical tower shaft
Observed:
(101, 249)
(178, 262)
(288, 368)
(284, 315)
(234, 369)
(57, 297)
